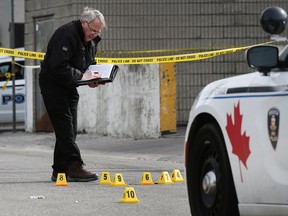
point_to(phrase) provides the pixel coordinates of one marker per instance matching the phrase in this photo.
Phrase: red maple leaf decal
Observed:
(239, 142)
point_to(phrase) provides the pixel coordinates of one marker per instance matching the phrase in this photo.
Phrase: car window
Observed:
(6, 67)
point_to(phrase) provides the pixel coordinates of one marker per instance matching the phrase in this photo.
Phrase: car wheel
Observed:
(210, 184)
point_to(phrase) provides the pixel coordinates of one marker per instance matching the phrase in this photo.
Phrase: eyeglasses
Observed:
(92, 30)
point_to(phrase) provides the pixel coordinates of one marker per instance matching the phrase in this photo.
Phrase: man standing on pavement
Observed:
(70, 51)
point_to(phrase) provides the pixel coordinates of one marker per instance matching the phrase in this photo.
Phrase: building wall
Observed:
(5, 11)
(128, 107)
(199, 25)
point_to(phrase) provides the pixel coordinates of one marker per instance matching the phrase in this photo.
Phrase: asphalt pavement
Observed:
(26, 188)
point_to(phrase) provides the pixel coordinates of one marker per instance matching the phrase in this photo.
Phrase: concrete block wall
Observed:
(201, 25)
(128, 107)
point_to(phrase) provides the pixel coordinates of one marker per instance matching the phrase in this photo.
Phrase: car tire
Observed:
(210, 183)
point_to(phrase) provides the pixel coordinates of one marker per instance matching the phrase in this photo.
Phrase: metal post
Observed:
(12, 45)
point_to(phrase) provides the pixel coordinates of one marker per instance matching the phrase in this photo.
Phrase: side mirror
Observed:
(263, 58)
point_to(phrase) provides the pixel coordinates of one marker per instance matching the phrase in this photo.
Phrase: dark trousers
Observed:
(62, 111)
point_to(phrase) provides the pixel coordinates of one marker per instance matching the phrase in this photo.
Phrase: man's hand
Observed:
(93, 84)
(91, 75)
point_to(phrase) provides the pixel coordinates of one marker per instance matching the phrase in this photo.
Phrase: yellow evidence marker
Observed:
(129, 196)
(176, 176)
(105, 178)
(146, 179)
(118, 180)
(61, 180)
(165, 178)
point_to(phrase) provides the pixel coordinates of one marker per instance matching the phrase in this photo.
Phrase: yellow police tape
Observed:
(166, 59)
(8, 76)
(138, 60)
(22, 53)
(163, 50)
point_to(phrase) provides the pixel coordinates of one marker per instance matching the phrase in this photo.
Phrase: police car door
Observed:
(6, 102)
(268, 97)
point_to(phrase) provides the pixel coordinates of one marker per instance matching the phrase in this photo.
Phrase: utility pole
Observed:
(12, 46)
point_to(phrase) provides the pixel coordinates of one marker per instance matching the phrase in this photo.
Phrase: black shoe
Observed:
(76, 173)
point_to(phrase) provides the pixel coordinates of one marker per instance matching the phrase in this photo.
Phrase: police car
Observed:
(236, 142)
(6, 94)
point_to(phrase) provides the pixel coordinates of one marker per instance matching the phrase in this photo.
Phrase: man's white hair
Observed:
(90, 14)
